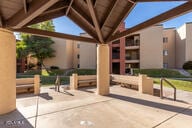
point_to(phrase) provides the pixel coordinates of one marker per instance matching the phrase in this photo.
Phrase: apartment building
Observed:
(154, 47)
(138, 50)
(177, 45)
(72, 54)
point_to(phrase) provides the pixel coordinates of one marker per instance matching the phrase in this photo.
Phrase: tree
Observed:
(21, 50)
(39, 47)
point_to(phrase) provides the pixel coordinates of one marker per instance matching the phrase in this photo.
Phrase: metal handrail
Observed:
(161, 90)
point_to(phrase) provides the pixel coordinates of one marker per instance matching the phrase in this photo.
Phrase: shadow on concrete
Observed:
(46, 96)
(152, 104)
(67, 93)
(25, 95)
(90, 89)
(14, 120)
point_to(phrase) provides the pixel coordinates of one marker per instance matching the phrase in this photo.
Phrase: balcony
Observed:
(133, 57)
(132, 43)
(116, 56)
(132, 61)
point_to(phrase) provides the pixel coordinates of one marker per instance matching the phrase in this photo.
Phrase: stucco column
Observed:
(103, 78)
(7, 71)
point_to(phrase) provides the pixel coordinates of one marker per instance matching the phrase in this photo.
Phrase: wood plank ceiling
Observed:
(99, 18)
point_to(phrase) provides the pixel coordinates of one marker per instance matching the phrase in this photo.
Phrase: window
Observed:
(165, 52)
(165, 39)
(165, 65)
(78, 56)
(78, 66)
(78, 45)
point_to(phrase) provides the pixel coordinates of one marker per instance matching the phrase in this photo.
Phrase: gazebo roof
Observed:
(99, 18)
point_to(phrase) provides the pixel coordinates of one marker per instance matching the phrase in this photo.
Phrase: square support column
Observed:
(7, 71)
(103, 77)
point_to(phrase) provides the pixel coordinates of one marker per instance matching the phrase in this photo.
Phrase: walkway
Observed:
(123, 108)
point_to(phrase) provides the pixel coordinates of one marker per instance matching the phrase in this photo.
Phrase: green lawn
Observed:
(179, 84)
(83, 72)
(168, 73)
(190, 71)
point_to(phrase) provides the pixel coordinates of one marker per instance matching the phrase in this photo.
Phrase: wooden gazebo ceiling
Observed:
(99, 18)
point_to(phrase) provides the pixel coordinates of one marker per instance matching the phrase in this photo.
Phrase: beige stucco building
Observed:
(177, 44)
(72, 54)
(154, 47)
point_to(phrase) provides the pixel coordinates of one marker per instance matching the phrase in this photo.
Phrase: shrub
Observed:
(54, 67)
(187, 65)
(31, 65)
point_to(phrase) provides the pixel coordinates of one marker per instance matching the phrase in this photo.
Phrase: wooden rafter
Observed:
(1, 21)
(58, 6)
(36, 7)
(47, 16)
(69, 7)
(54, 34)
(83, 24)
(83, 16)
(124, 15)
(25, 5)
(95, 20)
(131, 1)
(159, 0)
(177, 11)
(109, 12)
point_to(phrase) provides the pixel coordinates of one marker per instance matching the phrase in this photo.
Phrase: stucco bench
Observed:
(82, 81)
(143, 83)
(125, 81)
(28, 85)
(87, 80)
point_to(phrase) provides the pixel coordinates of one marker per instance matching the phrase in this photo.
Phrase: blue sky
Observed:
(141, 12)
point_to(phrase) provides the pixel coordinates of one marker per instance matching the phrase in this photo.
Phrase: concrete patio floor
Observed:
(123, 108)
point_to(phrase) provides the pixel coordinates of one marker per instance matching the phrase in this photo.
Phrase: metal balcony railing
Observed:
(132, 57)
(132, 43)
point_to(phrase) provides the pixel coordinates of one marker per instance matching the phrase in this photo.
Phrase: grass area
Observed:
(179, 84)
(83, 72)
(50, 80)
(190, 71)
(47, 80)
(159, 73)
(44, 72)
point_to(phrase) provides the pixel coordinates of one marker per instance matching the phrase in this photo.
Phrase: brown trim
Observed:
(54, 34)
(69, 7)
(95, 20)
(36, 7)
(47, 16)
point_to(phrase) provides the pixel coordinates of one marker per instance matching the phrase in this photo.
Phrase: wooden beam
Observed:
(124, 15)
(69, 7)
(160, 0)
(44, 33)
(36, 7)
(1, 22)
(25, 5)
(177, 11)
(58, 6)
(83, 24)
(131, 1)
(47, 16)
(109, 11)
(95, 20)
(83, 16)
